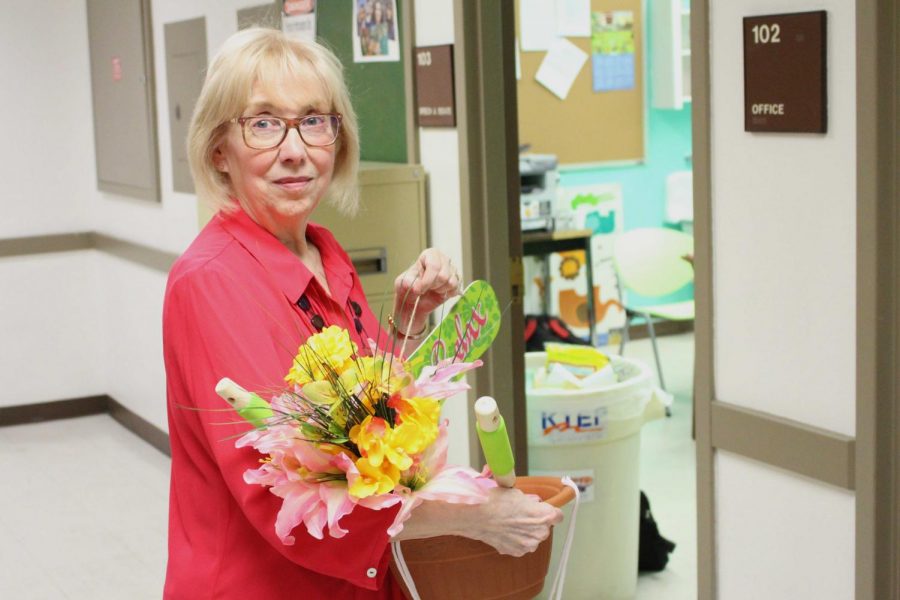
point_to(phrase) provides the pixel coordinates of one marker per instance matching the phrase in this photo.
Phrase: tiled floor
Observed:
(83, 507)
(668, 471)
(83, 512)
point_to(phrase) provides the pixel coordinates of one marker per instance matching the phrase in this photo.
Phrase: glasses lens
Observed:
(319, 130)
(264, 132)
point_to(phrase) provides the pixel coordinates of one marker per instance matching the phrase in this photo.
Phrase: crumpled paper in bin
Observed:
(574, 367)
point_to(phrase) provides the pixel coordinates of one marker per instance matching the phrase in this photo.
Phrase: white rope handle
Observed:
(556, 590)
(404, 571)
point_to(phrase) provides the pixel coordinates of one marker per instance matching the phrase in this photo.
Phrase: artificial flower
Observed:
(417, 426)
(433, 479)
(437, 381)
(373, 479)
(321, 392)
(324, 353)
(354, 431)
(383, 374)
(310, 481)
(376, 441)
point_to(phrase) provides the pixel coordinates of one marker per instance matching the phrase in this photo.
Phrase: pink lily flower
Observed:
(311, 482)
(453, 484)
(436, 381)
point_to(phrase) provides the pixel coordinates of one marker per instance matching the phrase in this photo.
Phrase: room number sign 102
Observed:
(766, 34)
(785, 72)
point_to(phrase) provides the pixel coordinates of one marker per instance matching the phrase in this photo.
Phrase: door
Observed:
(796, 332)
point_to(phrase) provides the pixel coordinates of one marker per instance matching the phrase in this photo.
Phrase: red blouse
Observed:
(238, 304)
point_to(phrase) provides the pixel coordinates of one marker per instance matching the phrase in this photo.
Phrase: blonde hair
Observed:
(262, 55)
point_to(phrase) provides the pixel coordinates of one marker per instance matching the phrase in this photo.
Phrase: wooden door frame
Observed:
(489, 187)
(878, 300)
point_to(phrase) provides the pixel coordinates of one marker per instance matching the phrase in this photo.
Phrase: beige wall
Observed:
(439, 154)
(784, 338)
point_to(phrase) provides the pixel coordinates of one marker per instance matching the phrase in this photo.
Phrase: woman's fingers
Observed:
(403, 285)
(517, 542)
(433, 277)
(429, 282)
(436, 270)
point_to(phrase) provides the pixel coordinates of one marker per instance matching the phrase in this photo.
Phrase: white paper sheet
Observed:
(518, 63)
(537, 24)
(680, 196)
(300, 27)
(573, 18)
(560, 67)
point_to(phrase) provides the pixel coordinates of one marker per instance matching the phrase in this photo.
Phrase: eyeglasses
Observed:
(265, 132)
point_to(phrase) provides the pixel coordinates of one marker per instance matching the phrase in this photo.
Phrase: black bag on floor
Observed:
(653, 549)
(540, 329)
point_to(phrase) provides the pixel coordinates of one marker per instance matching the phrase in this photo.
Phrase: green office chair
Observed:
(654, 262)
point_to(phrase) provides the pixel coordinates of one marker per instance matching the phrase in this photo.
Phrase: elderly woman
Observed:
(273, 135)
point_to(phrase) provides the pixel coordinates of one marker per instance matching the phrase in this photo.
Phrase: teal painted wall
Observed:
(644, 185)
(668, 149)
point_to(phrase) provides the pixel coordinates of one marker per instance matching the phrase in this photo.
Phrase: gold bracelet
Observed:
(397, 333)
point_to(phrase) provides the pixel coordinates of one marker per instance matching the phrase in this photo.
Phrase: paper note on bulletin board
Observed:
(588, 126)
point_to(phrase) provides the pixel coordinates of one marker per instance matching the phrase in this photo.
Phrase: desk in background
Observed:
(547, 242)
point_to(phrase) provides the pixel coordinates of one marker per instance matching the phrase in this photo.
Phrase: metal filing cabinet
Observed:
(388, 233)
(390, 230)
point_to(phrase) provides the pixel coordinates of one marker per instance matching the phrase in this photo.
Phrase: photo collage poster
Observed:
(376, 31)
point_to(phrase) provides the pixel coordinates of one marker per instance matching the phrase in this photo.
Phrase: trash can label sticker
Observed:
(583, 478)
(571, 426)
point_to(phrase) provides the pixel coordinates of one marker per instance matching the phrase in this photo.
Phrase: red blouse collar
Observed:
(288, 272)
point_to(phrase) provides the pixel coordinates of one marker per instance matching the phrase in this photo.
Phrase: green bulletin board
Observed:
(376, 88)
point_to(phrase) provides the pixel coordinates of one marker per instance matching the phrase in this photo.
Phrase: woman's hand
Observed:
(432, 279)
(510, 521)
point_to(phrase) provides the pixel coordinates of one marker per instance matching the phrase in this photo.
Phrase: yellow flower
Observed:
(330, 349)
(413, 437)
(421, 409)
(374, 479)
(320, 392)
(338, 414)
(380, 373)
(377, 441)
(418, 427)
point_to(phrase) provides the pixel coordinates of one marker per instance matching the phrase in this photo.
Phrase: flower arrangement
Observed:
(355, 428)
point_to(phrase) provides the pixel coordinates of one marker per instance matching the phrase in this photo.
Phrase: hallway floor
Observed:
(668, 470)
(73, 531)
(100, 532)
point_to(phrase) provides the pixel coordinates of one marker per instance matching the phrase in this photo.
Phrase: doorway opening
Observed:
(604, 131)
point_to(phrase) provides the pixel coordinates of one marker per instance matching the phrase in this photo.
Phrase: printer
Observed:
(538, 181)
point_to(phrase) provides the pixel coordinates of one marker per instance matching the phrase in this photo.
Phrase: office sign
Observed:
(784, 73)
(434, 86)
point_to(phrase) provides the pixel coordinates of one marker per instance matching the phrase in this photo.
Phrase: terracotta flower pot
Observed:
(451, 567)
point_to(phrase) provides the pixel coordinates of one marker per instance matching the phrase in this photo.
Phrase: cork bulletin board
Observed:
(377, 89)
(588, 126)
